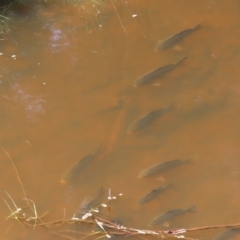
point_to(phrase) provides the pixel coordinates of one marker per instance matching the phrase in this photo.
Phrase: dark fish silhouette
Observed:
(153, 194)
(168, 42)
(228, 234)
(147, 119)
(160, 167)
(155, 74)
(89, 203)
(78, 167)
(169, 215)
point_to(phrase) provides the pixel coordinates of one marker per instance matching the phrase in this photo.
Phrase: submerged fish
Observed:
(157, 73)
(227, 234)
(89, 203)
(168, 42)
(160, 167)
(78, 167)
(153, 194)
(147, 119)
(169, 215)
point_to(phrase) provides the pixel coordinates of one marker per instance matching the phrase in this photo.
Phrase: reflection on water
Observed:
(32, 105)
(58, 40)
(70, 90)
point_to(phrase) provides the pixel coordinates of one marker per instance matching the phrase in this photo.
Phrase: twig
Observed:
(119, 18)
(18, 177)
(213, 227)
(106, 227)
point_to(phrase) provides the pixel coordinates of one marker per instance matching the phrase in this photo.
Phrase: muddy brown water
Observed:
(70, 90)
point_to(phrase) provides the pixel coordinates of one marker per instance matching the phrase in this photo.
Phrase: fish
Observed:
(227, 234)
(160, 167)
(155, 74)
(173, 39)
(169, 215)
(147, 119)
(153, 194)
(90, 203)
(78, 167)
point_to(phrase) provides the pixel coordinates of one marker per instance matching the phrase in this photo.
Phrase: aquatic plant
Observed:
(7, 7)
(4, 24)
(74, 2)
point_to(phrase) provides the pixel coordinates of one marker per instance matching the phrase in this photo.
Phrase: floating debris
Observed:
(156, 74)
(169, 215)
(160, 167)
(168, 42)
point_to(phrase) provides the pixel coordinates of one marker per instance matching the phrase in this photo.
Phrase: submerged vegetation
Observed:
(9, 7)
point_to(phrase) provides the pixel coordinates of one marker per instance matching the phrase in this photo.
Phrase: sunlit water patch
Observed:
(32, 105)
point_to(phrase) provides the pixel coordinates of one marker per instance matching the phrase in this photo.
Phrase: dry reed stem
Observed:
(110, 228)
(18, 210)
(18, 177)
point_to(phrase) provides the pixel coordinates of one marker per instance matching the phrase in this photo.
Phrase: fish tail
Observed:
(169, 185)
(141, 201)
(197, 26)
(101, 193)
(192, 208)
(170, 107)
(188, 160)
(180, 60)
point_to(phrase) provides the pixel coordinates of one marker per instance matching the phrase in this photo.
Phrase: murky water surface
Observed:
(69, 90)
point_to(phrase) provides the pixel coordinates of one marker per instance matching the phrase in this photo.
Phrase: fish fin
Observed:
(177, 48)
(166, 224)
(160, 179)
(101, 193)
(192, 208)
(156, 49)
(198, 25)
(84, 204)
(98, 150)
(192, 159)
